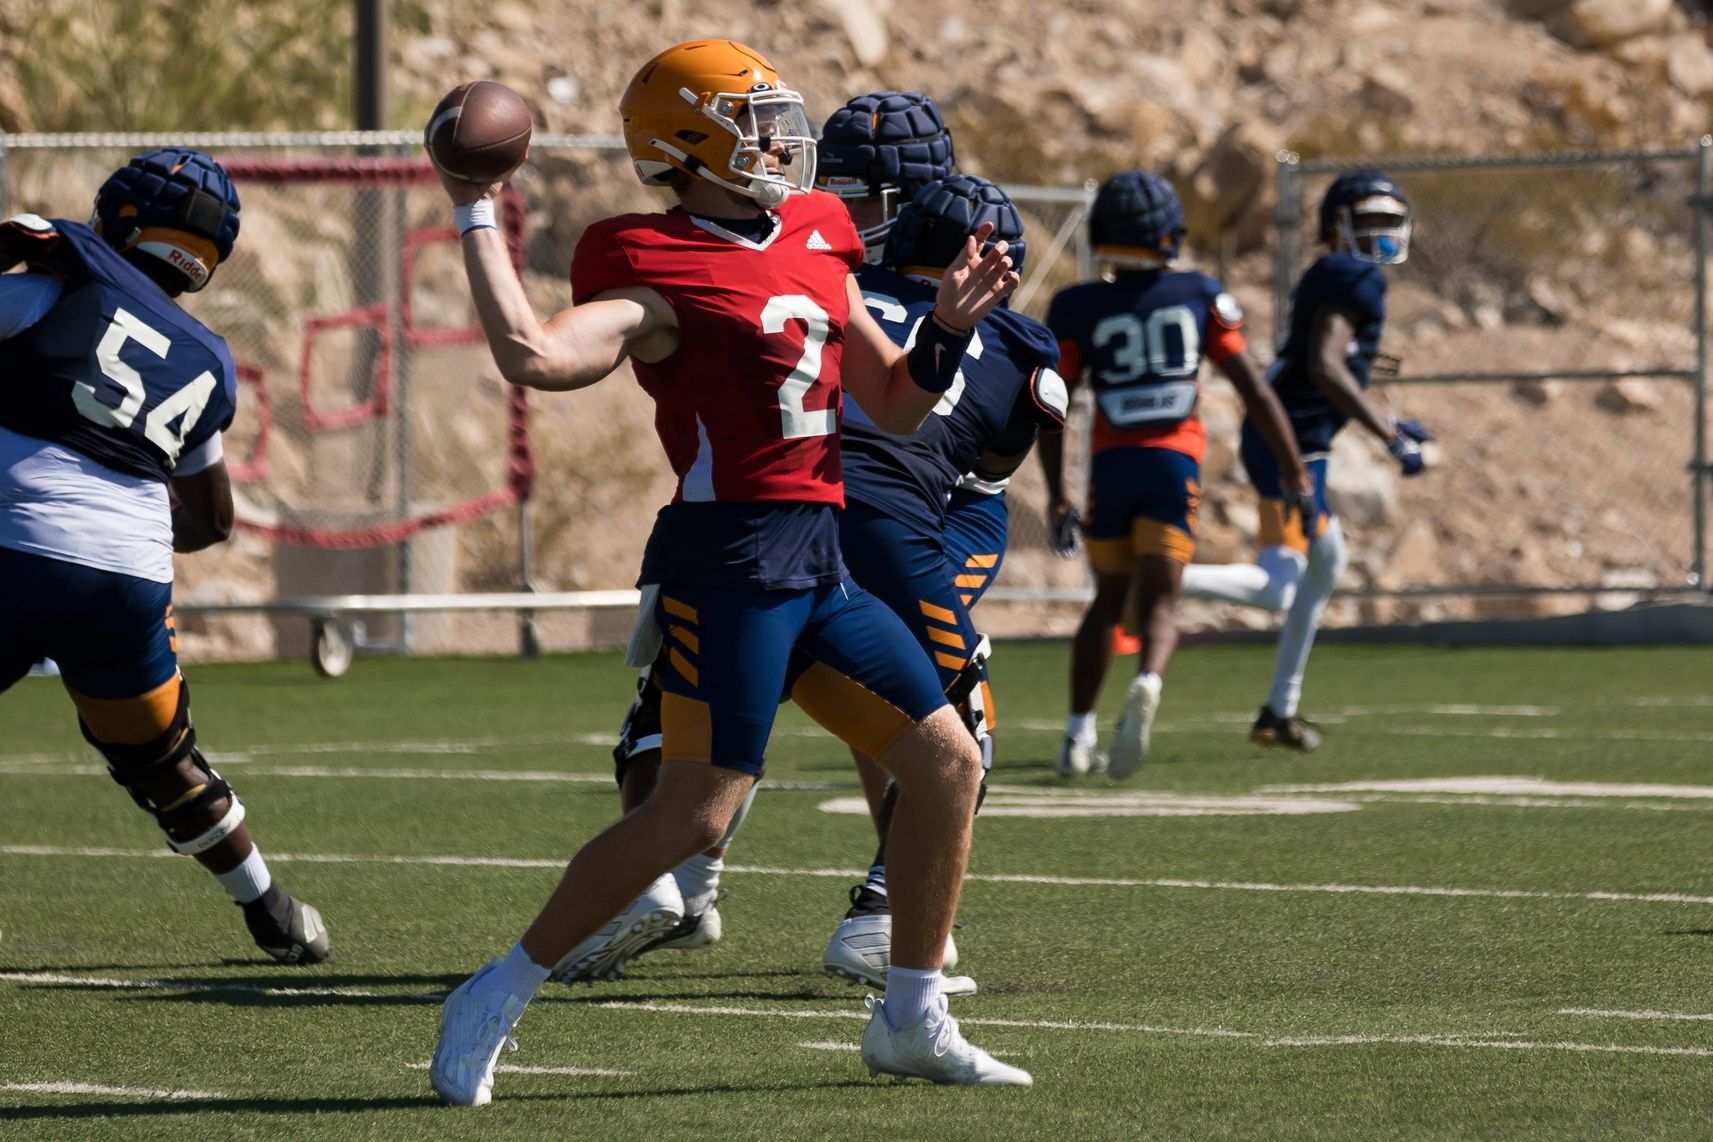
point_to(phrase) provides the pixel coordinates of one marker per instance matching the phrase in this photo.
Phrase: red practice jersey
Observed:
(748, 405)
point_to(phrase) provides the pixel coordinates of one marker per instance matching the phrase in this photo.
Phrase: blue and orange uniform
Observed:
(1139, 340)
(111, 390)
(1357, 287)
(901, 538)
(744, 564)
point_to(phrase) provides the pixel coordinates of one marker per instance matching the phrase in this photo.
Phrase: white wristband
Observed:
(477, 215)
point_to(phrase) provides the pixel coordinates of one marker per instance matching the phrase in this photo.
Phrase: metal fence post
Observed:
(1287, 223)
(1698, 497)
(1085, 249)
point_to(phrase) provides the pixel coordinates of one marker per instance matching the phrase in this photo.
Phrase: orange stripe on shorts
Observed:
(130, 721)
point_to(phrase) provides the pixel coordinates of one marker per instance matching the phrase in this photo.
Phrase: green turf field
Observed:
(1219, 948)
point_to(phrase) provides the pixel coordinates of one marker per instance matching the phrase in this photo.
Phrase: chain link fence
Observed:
(375, 450)
(1551, 324)
(1550, 319)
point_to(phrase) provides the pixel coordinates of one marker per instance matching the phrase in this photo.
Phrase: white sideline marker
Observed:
(114, 1091)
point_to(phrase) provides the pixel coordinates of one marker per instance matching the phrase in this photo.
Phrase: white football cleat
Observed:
(698, 931)
(934, 1050)
(1130, 746)
(604, 955)
(476, 1021)
(861, 947)
(1079, 758)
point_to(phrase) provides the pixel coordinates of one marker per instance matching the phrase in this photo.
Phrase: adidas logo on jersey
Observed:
(816, 242)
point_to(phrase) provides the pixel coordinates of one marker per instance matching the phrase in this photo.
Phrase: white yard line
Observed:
(1597, 1013)
(116, 1091)
(578, 1072)
(32, 768)
(201, 985)
(989, 878)
(1494, 1044)
(1490, 1040)
(1505, 785)
(859, 1014)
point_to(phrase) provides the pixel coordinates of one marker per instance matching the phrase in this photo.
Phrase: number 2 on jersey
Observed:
(796, 421)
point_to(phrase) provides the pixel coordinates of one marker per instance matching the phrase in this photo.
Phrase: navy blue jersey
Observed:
(1358, 288)
(1005, 392)
(115, 370)
(1139, 340)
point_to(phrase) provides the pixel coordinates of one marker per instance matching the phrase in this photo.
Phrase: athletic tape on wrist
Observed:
(477, 215)
(939, 350)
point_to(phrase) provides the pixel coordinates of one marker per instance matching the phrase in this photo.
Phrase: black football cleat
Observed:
(1291, 733)
(286, 928)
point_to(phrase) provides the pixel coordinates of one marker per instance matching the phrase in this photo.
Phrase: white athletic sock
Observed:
(1296, 638)
(910, 993)
(249, 880)
(1232, 582)
(698, 876)
(1269, 583)
(519, 974)
(1080, 727)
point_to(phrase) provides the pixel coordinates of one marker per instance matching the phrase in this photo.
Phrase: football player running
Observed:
(110, 461)
(1139, 338)
(1332, 351)
(742, 320)
(894, 536)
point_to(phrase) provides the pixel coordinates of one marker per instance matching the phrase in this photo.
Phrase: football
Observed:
(480, 131)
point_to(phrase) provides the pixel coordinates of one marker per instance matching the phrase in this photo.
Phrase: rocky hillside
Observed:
(1053, 94)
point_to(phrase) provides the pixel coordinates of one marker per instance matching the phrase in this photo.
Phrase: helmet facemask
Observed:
(773, 153)
(886, 197)
(1375, 229)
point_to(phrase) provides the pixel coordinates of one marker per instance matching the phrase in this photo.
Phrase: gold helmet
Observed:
(715, 109)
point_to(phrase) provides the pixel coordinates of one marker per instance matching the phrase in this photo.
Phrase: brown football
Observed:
(479, 131)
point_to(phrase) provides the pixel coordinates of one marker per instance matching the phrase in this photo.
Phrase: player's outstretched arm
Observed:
(897, 389)
(577, 346)
(1262, 405)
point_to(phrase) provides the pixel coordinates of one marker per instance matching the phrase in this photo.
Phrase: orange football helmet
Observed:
(716, 110)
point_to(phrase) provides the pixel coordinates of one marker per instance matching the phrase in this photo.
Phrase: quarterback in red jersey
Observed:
(741, 318)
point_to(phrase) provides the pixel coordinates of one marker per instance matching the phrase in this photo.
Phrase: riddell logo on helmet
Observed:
(179, 260)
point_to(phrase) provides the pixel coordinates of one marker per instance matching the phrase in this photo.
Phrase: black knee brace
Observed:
(130, 765)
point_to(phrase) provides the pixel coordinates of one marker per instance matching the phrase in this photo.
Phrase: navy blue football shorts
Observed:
(1263, 471)
(110, 634)
(1141, 501)
(727, 657)
(910, 571)
(977, 527)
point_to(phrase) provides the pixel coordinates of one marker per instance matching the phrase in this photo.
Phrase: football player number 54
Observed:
(119, 409)
(796, 421)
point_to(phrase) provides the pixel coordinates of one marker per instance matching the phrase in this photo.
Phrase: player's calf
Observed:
(198, 811)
